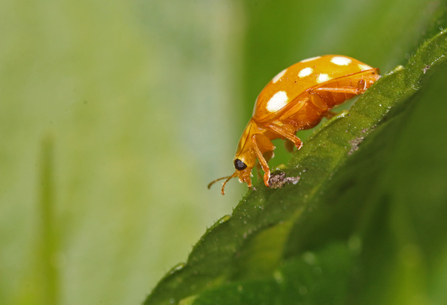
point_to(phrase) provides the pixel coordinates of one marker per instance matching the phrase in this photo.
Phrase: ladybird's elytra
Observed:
(297, 98)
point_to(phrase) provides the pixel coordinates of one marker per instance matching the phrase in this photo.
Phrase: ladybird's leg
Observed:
(262, 161)
(336, 91)
(330, 114)
(285, 134)
(289, 145)
(267, 156)
(352, 90)
(355, 84)
(325, 98)
(258, 170)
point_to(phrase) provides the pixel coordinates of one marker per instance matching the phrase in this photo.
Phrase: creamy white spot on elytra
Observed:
(341, 61)
(364, 67)
(305, 72)
(323, 78)
(277, 101)
(310, 59)
(278, 76)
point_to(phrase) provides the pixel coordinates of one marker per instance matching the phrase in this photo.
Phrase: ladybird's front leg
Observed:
(256, 139)
(267, 156)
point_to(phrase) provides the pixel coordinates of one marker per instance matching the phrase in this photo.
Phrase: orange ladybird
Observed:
(297, 98)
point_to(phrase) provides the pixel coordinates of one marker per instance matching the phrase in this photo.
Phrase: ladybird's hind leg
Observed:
(353, 84)
(330, 114)
(338, 90)
(346, 90)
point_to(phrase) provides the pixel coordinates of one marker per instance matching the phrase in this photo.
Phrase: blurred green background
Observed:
(116, 114)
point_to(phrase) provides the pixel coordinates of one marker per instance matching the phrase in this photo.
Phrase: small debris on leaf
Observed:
(278, 180)
(355, 144)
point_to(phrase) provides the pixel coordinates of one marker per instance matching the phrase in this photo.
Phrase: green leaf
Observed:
(336, 236)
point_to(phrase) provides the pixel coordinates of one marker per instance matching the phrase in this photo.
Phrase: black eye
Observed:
(239, 165)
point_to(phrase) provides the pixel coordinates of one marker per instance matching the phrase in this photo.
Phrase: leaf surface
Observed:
(323, 239)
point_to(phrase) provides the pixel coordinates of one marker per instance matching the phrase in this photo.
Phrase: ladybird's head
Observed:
(243, 171)
(244, 160)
